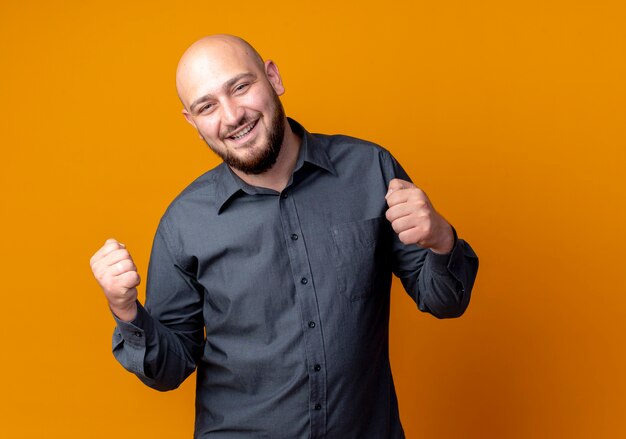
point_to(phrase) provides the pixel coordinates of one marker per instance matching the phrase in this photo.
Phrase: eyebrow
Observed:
(228, 84)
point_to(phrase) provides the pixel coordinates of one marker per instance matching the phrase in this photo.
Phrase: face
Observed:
(233, 103)
(253, 154)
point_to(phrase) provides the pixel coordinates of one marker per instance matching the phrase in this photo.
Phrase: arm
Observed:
(440, 284)
(436, 269)
(162, 342)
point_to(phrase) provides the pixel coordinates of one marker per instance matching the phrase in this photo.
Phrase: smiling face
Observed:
(231, 97)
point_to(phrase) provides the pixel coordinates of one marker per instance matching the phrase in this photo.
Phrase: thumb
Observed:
(397, 184)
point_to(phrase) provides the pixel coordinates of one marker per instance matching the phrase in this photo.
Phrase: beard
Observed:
(266, 157)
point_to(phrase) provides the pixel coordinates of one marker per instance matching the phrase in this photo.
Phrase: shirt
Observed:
(281, 300)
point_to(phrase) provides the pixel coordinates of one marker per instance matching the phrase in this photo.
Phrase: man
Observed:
(283, 254)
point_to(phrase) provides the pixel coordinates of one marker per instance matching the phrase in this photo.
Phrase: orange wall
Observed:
(511, 115)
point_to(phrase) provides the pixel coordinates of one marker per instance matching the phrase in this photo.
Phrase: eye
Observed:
(241, 87)
(205, 108)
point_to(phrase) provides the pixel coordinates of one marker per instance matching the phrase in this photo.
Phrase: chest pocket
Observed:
(362, 257)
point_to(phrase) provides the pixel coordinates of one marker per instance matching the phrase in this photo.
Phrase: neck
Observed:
(277, 177)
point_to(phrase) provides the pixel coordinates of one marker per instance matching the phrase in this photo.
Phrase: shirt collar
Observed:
(228, 185)
(311, 150)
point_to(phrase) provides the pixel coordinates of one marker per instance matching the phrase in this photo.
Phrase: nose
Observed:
(232, 113)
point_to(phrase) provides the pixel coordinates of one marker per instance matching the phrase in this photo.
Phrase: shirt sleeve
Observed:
(440, 284)
(163, 344)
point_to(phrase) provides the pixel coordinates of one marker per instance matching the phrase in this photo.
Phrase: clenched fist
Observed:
(116, 273)
(414, 219)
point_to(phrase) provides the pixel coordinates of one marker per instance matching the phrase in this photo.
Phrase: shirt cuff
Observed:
(133, 332)
(439, 262)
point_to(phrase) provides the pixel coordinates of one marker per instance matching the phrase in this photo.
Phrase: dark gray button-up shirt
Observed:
(281, 300)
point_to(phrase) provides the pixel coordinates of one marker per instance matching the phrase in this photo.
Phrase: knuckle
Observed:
(101, 273)
(108, 248)
(108, 286)
(418, 202)
(388, 215)
(124, 265)
(97, 274)
(135, 279)
(404, 238)
(120, 266)
(122, 253)
(130, 279)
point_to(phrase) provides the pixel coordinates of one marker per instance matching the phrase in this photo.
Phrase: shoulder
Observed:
(344, 150)
(199, 195)
(360, 160)
(341, 143)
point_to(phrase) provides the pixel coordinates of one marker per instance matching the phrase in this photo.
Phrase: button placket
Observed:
(307, 299)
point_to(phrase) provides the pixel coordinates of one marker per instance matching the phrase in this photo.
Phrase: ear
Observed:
(273, 76)
(189, 119)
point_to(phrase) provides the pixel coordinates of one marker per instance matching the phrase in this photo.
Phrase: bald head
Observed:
(208, 57)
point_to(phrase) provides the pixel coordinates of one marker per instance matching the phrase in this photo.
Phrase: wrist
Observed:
(126, 313)
(447, 241)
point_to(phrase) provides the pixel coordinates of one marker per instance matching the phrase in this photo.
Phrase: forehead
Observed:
(205, 70)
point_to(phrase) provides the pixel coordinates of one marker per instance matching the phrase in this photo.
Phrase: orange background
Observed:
(510, 115)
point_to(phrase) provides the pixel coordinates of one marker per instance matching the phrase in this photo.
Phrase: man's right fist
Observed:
(116, 273)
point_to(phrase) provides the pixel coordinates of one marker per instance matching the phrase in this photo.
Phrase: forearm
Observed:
(443, 284)
(160, 357)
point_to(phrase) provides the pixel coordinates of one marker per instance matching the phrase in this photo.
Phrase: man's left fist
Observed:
(414, 219)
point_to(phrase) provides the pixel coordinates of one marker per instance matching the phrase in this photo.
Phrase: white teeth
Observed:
(244, 132)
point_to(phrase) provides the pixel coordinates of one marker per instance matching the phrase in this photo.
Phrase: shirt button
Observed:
(311, 324)
(304, 281)
(318, 406)
(138, 334)
(284, 195)
(317, 368)
(294, 237)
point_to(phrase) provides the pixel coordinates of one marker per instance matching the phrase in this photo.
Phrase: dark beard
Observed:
(267, 157)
